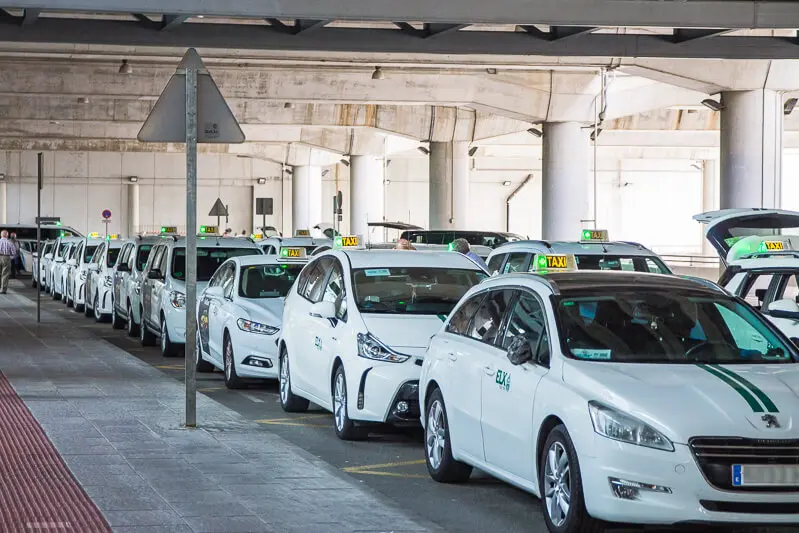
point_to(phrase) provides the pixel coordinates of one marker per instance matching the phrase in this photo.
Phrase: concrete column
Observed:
(306, 197)
(449, 185)
(133, 209)
(3, 202)
(751, 149)
(564, 180)
(367, 183)
(709, 201)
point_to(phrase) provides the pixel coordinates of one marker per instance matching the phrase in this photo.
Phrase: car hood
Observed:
(403, 331)
(689, 400)
(267, 311)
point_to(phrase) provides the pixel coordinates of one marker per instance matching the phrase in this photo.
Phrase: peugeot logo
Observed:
(770, 420)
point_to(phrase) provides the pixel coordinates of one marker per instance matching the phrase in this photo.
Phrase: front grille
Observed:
(716, 455)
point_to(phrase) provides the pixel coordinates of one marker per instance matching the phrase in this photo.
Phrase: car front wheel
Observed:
(562, 500)
(168, 348)
(345, 427)
(232, 379)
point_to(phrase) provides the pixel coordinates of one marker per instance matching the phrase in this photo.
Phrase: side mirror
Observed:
(323, 310)
(214, 292)
(123, 267)
(155, 274)
(519, 350)
(94, 267)
(35, 254)
(48, 255)
(59, 259)
(786, 308)
(72, 263)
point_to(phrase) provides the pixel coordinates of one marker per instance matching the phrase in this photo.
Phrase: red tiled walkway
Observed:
(37, 491)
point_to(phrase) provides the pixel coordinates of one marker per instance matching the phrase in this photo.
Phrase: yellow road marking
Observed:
(294, 421)
(171, 367)
(390, 474)
(374, 470)
(209, 389)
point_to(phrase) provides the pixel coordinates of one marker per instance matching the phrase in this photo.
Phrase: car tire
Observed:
(131, 327)
(70, 301)
(289, 402)
(168, 348)
(232, 380)
(559, 479)
(116, 320)
(441, 466)
(200, 363)
(146, 337)
(33, 282)
(64, 294)
(55, 295)
(345, 427)
(99, 316)
(88, 312)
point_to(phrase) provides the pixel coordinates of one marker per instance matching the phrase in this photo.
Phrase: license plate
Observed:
(765, 476)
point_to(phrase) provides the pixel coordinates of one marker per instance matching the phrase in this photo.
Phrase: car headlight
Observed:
(371, 348)
(614, 424)
(256, 327)
(107, 281)
(177, 299)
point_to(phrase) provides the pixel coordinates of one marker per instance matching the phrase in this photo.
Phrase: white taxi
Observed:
(301, 239)
(60, 267)
(79, 272)
(100, 281)
(592, 251)
(621, 397)
(163, 285)
(761, 262)
(127, 282)
(240, 314)
(356, 326)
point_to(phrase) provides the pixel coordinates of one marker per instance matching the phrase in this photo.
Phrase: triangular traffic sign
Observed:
(167, 120)
(218, 210)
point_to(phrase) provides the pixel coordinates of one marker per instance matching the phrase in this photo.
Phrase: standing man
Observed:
(7, 253)
(462, 246)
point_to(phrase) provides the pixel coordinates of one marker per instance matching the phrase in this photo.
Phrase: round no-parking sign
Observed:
(106, 213)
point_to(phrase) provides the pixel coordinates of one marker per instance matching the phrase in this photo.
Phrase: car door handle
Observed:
(489, 370)
(452, 356)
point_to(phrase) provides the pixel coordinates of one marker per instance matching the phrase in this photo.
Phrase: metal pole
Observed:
(191, 245)
(38, 277)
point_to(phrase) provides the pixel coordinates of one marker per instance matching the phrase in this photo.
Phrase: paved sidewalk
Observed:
(116, 422)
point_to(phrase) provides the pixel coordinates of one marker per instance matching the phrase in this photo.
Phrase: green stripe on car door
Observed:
(762, 396)
(745, 394)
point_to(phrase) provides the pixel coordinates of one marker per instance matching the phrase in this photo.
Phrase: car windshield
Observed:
(267, 281)
(621, 262)
(89, 253)
(141, 255)
(415, 291)
(208, 260)
(111, 257)
(649, 326)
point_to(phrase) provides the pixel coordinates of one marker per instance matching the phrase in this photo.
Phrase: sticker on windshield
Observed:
(592, 355)
(218, 255)
(373, 272)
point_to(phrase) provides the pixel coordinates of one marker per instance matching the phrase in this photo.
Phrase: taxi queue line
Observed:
(375, 321)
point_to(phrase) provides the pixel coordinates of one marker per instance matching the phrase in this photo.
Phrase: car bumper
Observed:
(689, 498)
(255, 354)
(383, 392)
(175, 324)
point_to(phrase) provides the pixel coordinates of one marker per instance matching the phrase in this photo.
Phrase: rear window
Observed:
(415, 291)
(621, 262)
(208, 260)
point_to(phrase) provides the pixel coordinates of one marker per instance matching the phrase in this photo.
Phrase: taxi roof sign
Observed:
(553, 263)
(169, 229)
(773, 246)
(759, 245)
(94, 235)
(594, 235)
(257, 236)
(209, 230)
(348, 241)
(302, 233)
(293, 252)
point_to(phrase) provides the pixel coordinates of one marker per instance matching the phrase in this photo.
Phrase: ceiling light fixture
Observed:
(125, 67)
(133, 179)
(714, 105)
(472, 151)
(261, 181)
(83, 100)
(378, 74)
(790, 103)
(536, 132)
(288, 105)
(506, 183)
(200, 16)
(424, 150)
(491, 71)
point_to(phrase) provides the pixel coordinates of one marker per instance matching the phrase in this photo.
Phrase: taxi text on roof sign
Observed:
(348, 241)
(94, 235)
(169, 229)
(772, 246)
(553, 262)
(302, 233)
(208, 229)
(594, 235)
(292, 253)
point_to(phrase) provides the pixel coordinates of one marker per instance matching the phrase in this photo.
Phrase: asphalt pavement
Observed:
(390, 462)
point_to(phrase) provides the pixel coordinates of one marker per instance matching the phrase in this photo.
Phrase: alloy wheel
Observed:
(557, 484)
(97, 306)
(435, 437)
(284, 379)
(163, 336)
(340, 401)
(228, 361)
